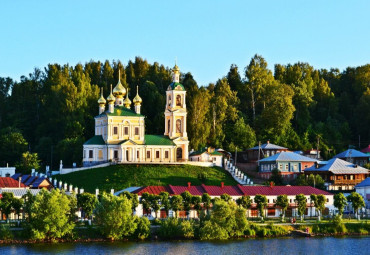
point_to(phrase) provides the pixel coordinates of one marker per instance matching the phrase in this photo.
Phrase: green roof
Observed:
(203, 150)
(122, 111)
(95, 140)
(175, 84)
(216, 153)
(158, 140)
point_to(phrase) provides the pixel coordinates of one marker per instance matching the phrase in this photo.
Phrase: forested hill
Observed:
(50, 112)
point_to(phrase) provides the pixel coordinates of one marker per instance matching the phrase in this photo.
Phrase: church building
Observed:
(120, 131)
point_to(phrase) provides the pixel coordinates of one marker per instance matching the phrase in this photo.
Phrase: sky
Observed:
(205, 37)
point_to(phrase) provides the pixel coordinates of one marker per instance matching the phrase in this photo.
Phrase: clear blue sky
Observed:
(205, 36)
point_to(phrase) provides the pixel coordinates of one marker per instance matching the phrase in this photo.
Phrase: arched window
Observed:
(178, 126)
(169, 126)
(169, 100)
(178, 100)
(179, 153)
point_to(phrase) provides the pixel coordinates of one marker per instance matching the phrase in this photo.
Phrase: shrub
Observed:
(5, 233)
(142, 230)
(187, 228)
(212, 231)
(170, 228)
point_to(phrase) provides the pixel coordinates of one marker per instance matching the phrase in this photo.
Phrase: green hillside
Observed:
(122, 176)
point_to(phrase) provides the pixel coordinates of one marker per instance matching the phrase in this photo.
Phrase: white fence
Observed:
(72, 170)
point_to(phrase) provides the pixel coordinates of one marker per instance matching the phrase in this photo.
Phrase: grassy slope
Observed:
(123, 176)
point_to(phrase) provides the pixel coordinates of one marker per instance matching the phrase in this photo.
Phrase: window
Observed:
(137, 154)
(115, 155)
(169, 100)
(214, 159)
(84, 153)
(136, 131)
(178, 126)
(286, 167)
(126, 130)
(168, 126)
(281, 166)
(157, 154)
(115, 130)
(178, 100)
(295, 167)
(91, 152)
(148, 154)
(100, 154)
(166, 154)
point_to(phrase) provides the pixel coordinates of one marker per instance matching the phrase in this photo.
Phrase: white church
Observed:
(120, 131)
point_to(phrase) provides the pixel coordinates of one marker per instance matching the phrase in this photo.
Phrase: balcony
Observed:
(347, 182)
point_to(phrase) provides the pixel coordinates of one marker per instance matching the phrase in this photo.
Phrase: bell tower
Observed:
(175, 115)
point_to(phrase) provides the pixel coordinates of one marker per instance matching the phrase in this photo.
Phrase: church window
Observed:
(178, 100)
(169, 126)
(148, 154)
(166, 154)
(115, 130)
(136, 131)
(115, 155)
(138, 154)
(100, 154)
(91, 153)
(157, 154)
(178, 126)
(179, 153)
(126, 130)
(169, 100)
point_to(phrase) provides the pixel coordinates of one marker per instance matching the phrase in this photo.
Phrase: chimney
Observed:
(189, 184)
(355, 165)
(20, 180)
(222, 185)
(271, 184)
(316, 164)
(268, 141)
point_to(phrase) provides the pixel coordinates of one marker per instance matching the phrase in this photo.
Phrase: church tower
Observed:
(175, 115)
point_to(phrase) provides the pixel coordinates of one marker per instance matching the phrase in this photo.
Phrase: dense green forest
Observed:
(51, 112)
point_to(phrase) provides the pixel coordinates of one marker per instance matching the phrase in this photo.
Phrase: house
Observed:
(289, 164)
(271, 192)
(207, 155)
(363, 188)
(313, 153)
(354, 156)
(33, 182)
(339, 174)
(262, 151)
(8, 182)
(7, 171)
(120, 131)
(366, 150)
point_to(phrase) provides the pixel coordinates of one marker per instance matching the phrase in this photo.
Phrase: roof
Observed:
(366, 150)
(158, 140)
(233, 190)
(121, 111)
(339, 166)
(129, 189)
(95, 140)
(174, 85)
(268, 146)
(204, 150)
(288, 156)
(364, 183)
(351, 153)
(8, 182)
(20, 192)
(29, 180)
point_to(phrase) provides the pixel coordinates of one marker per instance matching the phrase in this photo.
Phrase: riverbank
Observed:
(160, 233)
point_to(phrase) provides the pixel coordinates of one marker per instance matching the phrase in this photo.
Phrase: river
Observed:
(325, 245)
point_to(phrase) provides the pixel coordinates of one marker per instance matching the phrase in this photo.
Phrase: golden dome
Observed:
(127, 101)
(111, 98)
(176, 69)
(137, 99)
(119, 90)
(101, 99)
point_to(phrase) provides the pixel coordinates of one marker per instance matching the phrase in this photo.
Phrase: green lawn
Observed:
(123, 176)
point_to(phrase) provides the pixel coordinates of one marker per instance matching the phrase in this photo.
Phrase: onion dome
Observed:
(101, 99)
(176, 69)
(137, 99)
(119, 90)
(127, 101)
(111, 98)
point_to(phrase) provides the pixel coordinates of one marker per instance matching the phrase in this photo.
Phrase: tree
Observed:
(87, 202)
(245, 202)
(50, 215)
(28, 200)
(207, 201)
(313, 199)
(165, 201)
(187, 202)
(261, 201)
(197, 203)
(320, 204)
(283, 202)
(226, 197)
(301, 202)
(28, 161)
(145, 201)
(17, 205)
(340, 201)
(114, 217)
(154, 203)
(276, 177)
(6, 203)
(243, 136)
(12, 145)
(357, 202)
(176, 204)
(132, 197)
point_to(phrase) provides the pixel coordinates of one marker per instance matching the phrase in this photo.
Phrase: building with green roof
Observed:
(120, 131)
(207, 155)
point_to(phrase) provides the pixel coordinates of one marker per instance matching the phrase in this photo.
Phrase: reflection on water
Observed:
(327, 245)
